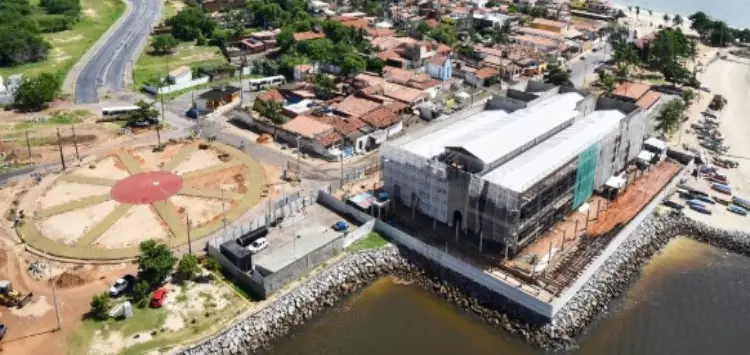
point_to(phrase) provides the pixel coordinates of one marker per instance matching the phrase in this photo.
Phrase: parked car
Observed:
(257, 245)
(672, 204)
(3, 329)
(701, 209)
(722, 188)
(340, 226)
(737, 210)
(157, 300)
(706, 199)
(721, 201)
(122, 285)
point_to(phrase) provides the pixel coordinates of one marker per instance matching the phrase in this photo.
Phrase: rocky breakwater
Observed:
(617, 273)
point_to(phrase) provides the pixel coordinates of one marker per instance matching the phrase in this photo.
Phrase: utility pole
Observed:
(54, 292)
(28, 145)
(242, 88)
(59, 145)
(190, 246)
(342, 170)
(223, 213)
(75, 141)
(299, 153)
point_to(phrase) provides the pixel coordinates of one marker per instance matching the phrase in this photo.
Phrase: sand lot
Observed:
(233, 179)
(68, 227)
(200, 159)
(63, 192)
(200, 210)
(151, 160)
(138, 224)
(108, 168)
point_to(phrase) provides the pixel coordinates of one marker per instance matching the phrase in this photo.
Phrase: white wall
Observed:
(176, 87)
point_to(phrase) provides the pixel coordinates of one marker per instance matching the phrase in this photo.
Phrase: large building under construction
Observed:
(507, 171)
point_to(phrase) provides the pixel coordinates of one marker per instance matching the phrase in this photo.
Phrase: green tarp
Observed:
(585, 175)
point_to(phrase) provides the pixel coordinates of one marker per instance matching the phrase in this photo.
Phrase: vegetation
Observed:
(211, 264)
(717, 103)
(20, 39)
(445, 34)
(155, 263)
(141, 291)
(99, 306)
(323, 86)
(272, 111)
(670, 50)
(557, 75)
(36, 92)
(191, 23)
(152, 67)
(372, 241)
(715, 33)
(188, 266)
(163, 44)
(670, 117)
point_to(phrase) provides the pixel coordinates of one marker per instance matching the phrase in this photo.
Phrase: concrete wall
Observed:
(176, 87)
(275, 281)
(516, 298)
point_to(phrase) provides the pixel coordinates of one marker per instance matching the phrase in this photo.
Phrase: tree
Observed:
(677, 20)
(352, 64)
(666, 18)
(688, 96)
(720, 34)
(164, 44)
(445, 34)
(651, 12)
(144, 114)
(622, 72)
(211, 264)
(701, 23)
(323, 86)
(375, 65)
(320, 49)
(677, 74)
(625, 54)
(36, 92)
(272, 111)
(191, 22)
(670, 117)
(492, 3)
(100, 306)
(70, 8)
(557, 75)
(670, 46)
(141, 290)
(608, 83)
(422, 28)
(188, 266)
(155, 262)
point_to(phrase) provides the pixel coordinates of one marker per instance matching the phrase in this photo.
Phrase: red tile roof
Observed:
(306, 36)
(648, 100)
(355, 107)
(306, 126)
(485, 73)
(379, 32)
(381, 117)
(271, 95)
(437, 59)
(342, 125)
(631, 90)
(329, 139)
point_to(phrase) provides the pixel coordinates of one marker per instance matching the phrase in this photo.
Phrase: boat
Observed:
(737, 210)
(672, 204)
(721, 201)
(741, 202)
(722, 188)
(705, 199)
(692, 203)
(701, 209)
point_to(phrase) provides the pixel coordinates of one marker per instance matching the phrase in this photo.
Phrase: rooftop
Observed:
(523, 127)
(355, 107)
(631, 90)
(381, 117)
(530, 167)
(648, 100)
(305, 36)
(306, 126)
(551, 23)
(218, 93)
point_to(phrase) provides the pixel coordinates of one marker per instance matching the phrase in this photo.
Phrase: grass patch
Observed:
(149, 66)
(58, 118)
(69, 46)
(371, 241)
(144, 319)
(171, 8)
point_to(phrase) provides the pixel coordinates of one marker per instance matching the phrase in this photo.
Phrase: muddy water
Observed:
(691, 299)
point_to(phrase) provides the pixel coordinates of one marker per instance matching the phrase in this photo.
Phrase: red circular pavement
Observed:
(145, 188)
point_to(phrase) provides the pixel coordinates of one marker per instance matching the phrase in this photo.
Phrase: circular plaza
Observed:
(105, 209)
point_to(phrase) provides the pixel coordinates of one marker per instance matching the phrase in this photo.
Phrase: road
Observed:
(108, 66)
(583, 68)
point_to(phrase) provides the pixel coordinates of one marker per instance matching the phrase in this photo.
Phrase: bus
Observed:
(118, 112)
(263, 83)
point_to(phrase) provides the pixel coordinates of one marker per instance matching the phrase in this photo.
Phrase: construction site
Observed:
(531, 188)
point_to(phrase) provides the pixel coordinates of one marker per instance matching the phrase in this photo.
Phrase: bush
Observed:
(155, 262)
(212, 265)
(141, 291)
(37, 92)
(55, 23)
(100, 306)
(59, 7)
(188, 266)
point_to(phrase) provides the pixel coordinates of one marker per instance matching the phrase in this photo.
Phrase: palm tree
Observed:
(622, 72)
(637, 11)
(670, 117)
(146, 114)
(666, 18)
(608, 83)
(688, 96)
(677, 20)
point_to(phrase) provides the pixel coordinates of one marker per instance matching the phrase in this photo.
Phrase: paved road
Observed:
(581, 68)
(107, 66)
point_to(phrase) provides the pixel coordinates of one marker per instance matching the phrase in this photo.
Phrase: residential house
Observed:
(217, 97)
(483, 77)
(380, 87)
(386, 123)
(353, 106)
(549, 25)
(307, 36)
(540, 43)
(303, 71)
(439, 67)
(639, 94)
(354, 132)
(314, 136)
(268, 96)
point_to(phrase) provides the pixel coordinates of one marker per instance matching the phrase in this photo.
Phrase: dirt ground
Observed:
(109, 168)
(232, 179)
(138, 224)
(68, 227)
(63, 191)
(200, 159)
(151, 160)
(200, 210)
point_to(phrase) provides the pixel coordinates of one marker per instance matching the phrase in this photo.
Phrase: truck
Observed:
(10, 297)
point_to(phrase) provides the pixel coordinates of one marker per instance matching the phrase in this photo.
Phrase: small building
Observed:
(439, 67)
(639, 94)
(483, 77)
(180, 75)
(386, 123)
(303, 71)
(549, 25)
(217, 97)
(307, 36)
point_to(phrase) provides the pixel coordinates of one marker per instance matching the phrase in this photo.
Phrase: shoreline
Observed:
(260, 331)
(658, 14)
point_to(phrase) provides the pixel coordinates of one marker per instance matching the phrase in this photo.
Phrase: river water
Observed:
(690, 299)
(733, 12)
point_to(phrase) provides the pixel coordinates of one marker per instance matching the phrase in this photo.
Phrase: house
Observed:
(386, 123)
(639, 94)
(268, 96)
(307, 36)
(252, 45)
(303, 71)
(180, 75)
(643, 46)
(540, 43)
(483, 77)
(353, 106)
(439, 67)
(221, 5)
(217, 97)
(549, 25)
(354, 132)
(381, 87)
(313, 135)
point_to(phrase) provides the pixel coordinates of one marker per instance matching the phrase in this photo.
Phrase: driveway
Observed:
(107, 67)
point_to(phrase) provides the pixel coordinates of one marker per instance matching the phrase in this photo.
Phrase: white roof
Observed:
(527, 169)
(299, 107)
(615, 182)
(524, 126)
(433, 143)
(656, 143)
(646, 156)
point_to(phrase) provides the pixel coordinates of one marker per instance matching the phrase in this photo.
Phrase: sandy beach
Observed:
(646, 23)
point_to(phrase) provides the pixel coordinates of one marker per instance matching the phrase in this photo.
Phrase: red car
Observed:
(157, 300)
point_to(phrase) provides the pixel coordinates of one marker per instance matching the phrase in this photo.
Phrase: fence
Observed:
(175, 87)
(360, 172)
(538, 308)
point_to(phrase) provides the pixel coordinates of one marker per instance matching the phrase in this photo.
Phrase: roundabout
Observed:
(104, 210)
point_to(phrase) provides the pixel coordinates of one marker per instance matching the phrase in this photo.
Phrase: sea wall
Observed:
(256, 333)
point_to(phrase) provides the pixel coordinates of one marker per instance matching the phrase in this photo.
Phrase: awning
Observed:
(645, 156)
(616, 182)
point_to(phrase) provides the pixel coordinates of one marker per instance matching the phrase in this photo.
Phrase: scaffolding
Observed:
(584, 186)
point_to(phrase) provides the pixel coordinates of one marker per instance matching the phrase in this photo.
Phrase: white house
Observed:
(181, 75)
